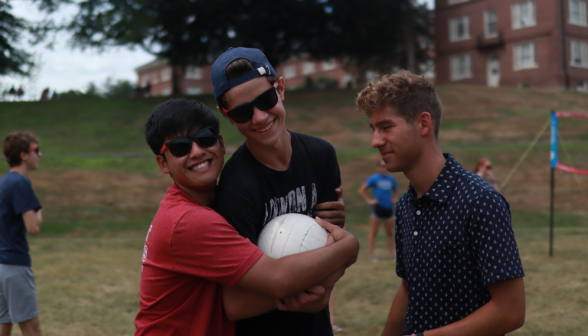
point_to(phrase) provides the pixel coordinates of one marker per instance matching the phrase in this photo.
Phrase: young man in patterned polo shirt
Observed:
(457, 256)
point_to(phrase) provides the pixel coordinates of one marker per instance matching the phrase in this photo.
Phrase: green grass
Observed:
(98, 204)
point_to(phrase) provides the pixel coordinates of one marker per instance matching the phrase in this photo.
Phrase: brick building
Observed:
(537, 43)
(297, 73)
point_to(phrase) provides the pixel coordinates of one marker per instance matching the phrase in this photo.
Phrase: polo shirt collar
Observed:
(441, 188)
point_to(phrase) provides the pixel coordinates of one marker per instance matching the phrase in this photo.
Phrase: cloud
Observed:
(64, 69)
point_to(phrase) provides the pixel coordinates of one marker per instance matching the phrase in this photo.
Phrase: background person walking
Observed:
(20, 212)
(384, 197)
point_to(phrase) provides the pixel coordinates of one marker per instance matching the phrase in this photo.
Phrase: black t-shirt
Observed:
(251, 194)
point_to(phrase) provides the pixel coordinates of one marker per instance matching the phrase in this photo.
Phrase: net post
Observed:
(553, 157)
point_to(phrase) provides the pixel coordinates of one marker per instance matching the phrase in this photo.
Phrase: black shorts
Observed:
(381, 213)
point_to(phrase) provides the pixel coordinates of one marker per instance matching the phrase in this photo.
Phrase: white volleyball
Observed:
(291, 234)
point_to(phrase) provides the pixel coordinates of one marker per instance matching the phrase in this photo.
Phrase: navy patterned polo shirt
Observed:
(451, 243)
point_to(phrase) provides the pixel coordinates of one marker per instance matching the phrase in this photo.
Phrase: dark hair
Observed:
(236, 69)
(15, 143)
(407, 93)
(177, 117)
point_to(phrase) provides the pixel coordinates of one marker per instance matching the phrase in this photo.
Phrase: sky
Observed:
(63, 68)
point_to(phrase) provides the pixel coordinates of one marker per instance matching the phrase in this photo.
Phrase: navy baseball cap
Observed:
(218, 71)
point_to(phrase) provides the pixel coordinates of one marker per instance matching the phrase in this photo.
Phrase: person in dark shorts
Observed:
(455, 246)
(20, 212)
(384, 196)
(274, 172)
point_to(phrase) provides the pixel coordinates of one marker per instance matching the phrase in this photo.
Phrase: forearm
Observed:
(488, 320)
(397, 316)
(278, 278)
(302, 271)
(363, 194)
(504, 313)
(239, 303)
(33, 219)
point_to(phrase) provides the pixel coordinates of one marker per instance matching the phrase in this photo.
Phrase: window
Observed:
(525, 56)
(490, 21)
(308, 68)
(461, 67)
(453, 2)
(166, 92)
(329, 64)
(154, 78)
(165, 74)
(578, 13)
(370, 75)
(144, 80)
(194, 90)
(193, 72)
(523, 15)
(582, 86)
(579, 53)
(459, 28)
(290, 71)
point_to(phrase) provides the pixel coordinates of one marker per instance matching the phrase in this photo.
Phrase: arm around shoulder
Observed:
(33, 220)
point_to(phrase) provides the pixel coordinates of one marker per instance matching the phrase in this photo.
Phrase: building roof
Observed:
(152, 65)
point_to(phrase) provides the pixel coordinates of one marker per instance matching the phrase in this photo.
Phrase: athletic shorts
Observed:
(381, 213)
(18, 295)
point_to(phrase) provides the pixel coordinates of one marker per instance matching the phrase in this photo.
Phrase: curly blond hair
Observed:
(408, 94)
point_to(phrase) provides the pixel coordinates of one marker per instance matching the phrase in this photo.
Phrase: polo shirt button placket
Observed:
(418, 225)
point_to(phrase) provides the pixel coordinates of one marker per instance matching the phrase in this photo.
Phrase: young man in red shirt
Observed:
(191, 251)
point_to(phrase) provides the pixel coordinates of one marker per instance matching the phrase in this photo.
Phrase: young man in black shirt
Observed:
(274, 172)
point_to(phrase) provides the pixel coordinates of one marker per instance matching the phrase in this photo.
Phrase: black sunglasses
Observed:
(182, 146)
(265, 101)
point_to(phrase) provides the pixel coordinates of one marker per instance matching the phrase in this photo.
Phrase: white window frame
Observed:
(193, 90)
(165, 74)
(289, 71)
(579, 18)
(370, 75)
(155, 78)
(144, 80)
(487, 22)
(518, 54)
(582, 85)
(308, 68)
(454, 28)
(456, 66)
(519, 22)
(328, 65)
(193, 72)
(579, 50)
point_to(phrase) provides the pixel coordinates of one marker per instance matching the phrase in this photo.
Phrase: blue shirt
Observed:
(16, 196)
(383, 186)
(451, 243)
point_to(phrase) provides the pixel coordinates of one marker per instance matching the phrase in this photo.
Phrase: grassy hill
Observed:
(100, 187)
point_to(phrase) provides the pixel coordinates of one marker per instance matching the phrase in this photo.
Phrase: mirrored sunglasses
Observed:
(182, 146)
(265, 101)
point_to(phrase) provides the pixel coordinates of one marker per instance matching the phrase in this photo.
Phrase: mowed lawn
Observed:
(100, 188)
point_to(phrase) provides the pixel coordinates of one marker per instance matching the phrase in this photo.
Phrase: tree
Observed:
(13, 59)
(119, 89)
(197, 31)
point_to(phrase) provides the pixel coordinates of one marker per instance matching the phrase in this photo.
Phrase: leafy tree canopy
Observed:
(375, 32)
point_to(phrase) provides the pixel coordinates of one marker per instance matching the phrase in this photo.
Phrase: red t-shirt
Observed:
(190, 250)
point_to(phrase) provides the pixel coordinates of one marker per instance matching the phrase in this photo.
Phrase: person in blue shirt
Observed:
(384, 196)
(455, 247)
(20, 212)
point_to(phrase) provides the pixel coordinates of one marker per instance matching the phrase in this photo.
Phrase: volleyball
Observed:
(291, 234)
